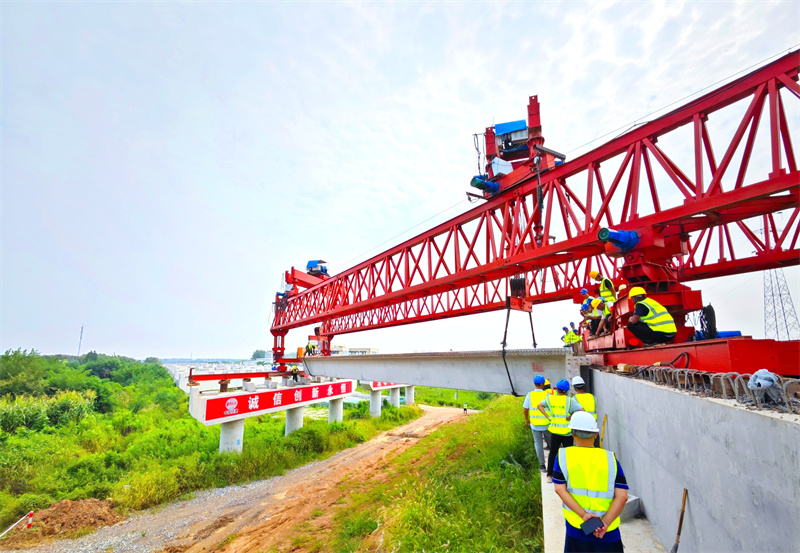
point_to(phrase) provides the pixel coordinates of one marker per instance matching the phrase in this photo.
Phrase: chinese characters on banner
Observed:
(376, 385)
(223, 407)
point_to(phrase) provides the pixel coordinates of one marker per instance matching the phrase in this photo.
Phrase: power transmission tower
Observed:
(80, 340)
(780, 317)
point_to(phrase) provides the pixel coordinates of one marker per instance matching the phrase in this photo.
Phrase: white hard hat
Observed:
(584, 422)
(577, 381)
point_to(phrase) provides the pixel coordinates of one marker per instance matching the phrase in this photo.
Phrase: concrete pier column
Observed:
(394, 397)
(336, 410)
(231, 436)
(294, 419)
(375, 403)
(409, 395)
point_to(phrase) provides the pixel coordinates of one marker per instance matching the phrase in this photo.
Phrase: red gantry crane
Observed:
(655, 207)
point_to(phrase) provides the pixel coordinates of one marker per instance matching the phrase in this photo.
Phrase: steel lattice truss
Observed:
(726, 206)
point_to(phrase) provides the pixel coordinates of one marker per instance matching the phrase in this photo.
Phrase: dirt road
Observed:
(261, 514)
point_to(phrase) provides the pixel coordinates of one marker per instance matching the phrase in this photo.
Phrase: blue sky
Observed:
(163, 163)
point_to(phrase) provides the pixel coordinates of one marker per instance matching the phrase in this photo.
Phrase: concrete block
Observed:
(249, 387)
(633, 508)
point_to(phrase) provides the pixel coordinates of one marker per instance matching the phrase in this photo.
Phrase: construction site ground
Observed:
(259, 516)
(273, 515)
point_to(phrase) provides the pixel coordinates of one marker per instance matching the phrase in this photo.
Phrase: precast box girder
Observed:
(478, 371)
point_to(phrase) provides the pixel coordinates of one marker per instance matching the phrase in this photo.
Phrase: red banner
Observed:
(377, 385)
(243, 404)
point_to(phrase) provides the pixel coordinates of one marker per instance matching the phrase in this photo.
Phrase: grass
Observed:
(226, 541)
(470, 486)
(164, 458)
(452, 398)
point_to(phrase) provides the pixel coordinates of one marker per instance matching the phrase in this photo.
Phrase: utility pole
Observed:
(80, 340)
(780, 317)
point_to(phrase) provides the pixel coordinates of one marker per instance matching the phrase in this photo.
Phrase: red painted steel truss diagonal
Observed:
(739, 212)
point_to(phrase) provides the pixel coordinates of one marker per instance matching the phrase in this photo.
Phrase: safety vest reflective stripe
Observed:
(588, 403)
(534, 415)
(590, 474)
(607, 290)
(658, 318)
(559, 405)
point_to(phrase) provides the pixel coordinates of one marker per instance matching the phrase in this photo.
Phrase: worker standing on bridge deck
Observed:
(650, 322)
(567, 337)
(558, 409)
(606, 288)
(537, 422)
(575, 331)
(590, 483)
(294, 373)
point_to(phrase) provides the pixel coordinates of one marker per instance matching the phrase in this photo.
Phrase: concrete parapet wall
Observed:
(741, 467)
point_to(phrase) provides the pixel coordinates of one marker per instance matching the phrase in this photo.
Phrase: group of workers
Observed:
(589, 480)
(650, 322)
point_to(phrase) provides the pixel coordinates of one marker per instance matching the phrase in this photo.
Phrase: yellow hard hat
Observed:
(622, 287)
(637, 291)
(594, 274)
(596, 302)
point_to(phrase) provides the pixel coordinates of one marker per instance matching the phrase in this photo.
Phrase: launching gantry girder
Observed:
(709, 212)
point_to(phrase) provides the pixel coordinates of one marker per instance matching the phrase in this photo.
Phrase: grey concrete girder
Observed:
(479, 371)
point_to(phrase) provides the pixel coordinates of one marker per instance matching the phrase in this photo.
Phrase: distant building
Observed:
(342, 349)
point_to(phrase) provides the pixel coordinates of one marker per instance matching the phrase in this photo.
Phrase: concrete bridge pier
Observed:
(336, 410)
(409, 395)
(394, 397)
(375, 403)
(294, 419)
(231, 436)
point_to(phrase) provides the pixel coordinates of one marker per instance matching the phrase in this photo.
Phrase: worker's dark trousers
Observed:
(556, 441)
(646, 334)
(593, 325)
(294, 377)
(573, 545)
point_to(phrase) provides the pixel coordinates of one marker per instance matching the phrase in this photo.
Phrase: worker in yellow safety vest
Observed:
(567, 338)
(576, 332)
(534, 420)
(601, 308)
(550, 391)
(558, 409)
(650, 322)
(586, 399)
(606, 287)
(590, 483)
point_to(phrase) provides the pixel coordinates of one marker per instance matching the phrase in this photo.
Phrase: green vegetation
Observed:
(470, 486)
(443, 397)
(259, 354)
(113, 427)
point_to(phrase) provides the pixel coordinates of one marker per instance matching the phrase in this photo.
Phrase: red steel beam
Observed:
(456, 268)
